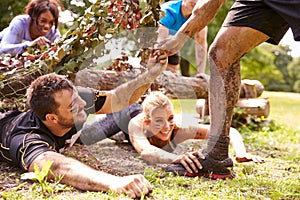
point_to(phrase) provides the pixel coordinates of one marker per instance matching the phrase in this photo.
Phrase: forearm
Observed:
(13, 48)
(236, 141)
(158, 156)
(203, 14)
(75, 173)
(128, 93)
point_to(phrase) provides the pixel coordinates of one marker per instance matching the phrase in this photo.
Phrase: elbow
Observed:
(147, 157)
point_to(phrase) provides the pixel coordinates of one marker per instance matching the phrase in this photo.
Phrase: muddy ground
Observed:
(118, 158)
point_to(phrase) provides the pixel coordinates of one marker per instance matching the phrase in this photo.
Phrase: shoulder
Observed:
(172, 16)
(136, 122)
(20, 20)
(171, 5)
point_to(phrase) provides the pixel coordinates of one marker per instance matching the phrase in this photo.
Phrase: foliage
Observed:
(87, 37)
(41, 177)
(282, 59)
(9, 9)
(293, 69)
(76, 7)
(273, 66)
(41, 188)
(86, 40)
(258, 64)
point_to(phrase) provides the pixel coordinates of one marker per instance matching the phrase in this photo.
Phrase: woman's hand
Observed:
(40, 41)
(190, 161)
(248, 158)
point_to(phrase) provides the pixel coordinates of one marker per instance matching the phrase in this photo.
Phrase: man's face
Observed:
(71, 109)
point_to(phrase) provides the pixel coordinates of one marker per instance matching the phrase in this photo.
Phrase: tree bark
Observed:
(174, 85)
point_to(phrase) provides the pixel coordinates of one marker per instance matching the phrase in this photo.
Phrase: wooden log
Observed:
(174, 85)
(255, 106)
(251, 88)
(251, 106)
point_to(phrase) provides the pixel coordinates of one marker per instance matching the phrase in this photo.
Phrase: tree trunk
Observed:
(174, 85)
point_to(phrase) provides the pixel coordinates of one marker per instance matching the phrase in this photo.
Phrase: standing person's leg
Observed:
(238, 36)
(173, 63)
(201, 50)
(230, 44)
(184, 67)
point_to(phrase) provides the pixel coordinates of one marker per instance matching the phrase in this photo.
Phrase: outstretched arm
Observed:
(83, 177)
(203, 13)
(238, 146)
(128, 93)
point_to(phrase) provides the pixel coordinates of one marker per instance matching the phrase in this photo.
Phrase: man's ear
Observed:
(52, 118)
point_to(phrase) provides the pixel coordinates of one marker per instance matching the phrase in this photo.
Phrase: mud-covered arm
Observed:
(128, 93)
(203, 13)
(83, 177)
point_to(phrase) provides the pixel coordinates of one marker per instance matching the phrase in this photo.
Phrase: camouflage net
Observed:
(15, 85)
(14, 81)
(81, 44)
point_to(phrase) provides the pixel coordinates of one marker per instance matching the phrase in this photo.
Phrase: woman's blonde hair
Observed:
(154, 100)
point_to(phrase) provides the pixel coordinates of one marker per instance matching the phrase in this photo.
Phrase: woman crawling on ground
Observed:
(155, 134)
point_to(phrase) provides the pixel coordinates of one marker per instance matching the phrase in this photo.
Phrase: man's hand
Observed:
(157, 56)
(134, 186)
(190, 161)
(157, 63)
(173, 43)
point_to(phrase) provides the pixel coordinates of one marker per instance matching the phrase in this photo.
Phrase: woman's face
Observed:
(45, 21)
(162, 123)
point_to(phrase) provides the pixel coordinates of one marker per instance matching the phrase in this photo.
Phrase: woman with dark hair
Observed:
(38, 26)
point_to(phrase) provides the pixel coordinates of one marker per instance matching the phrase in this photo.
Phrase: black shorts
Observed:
(174, 59)
(272, 17)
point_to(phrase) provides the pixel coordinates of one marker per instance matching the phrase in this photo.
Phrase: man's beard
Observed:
(70, 123)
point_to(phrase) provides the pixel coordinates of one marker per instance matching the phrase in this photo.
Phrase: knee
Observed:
(215, 53)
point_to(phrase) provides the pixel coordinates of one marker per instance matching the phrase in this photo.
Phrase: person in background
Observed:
(155, 133)
(247, 24)
(38, 26)
(176, 14)
(57, 112)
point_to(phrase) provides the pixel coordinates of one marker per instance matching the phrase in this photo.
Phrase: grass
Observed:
(277, 178)
(284, 108)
